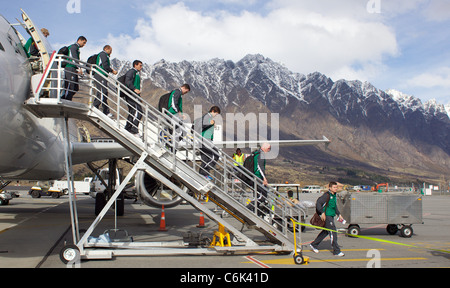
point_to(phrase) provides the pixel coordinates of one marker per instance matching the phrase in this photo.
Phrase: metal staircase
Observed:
(165, 159)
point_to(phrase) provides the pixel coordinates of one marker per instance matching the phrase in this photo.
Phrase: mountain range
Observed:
(372, 132)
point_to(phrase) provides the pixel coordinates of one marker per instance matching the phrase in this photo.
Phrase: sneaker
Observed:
(208, 177)
(340, 254)
(110, 115)
(314, 249)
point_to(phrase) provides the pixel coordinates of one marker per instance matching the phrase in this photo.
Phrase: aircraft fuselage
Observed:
(30, 148)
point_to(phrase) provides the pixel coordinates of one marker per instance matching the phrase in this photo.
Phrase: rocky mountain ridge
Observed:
(386, 130)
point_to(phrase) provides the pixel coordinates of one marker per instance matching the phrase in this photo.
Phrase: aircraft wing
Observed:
(88, 152)
(280, 143)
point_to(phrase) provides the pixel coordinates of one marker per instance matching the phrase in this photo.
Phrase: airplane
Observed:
(32, 148)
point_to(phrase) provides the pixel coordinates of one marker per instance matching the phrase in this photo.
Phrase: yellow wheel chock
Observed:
(221, 235)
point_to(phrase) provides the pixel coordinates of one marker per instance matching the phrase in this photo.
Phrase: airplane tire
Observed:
(100, 202)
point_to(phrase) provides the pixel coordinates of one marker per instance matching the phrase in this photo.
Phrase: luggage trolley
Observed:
(398, 210)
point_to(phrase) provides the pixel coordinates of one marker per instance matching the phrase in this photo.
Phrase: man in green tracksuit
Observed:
(30, 47)
(259, 169)
(205, 126)
(326, 207)
(102, 83)
(72, 71)
(133, 82)
(173, 103)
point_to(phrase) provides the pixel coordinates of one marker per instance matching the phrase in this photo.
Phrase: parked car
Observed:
(312, 189)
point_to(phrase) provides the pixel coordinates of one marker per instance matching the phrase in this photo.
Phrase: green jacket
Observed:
(104, 63)
(175, 102)
(208, 133)
(259, 164)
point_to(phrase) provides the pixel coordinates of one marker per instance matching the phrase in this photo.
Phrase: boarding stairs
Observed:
(165, 159)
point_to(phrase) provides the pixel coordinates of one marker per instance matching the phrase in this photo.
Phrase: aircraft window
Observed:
(1, 47)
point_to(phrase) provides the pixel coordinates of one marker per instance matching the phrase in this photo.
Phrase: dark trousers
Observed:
(209, 159)
(329, 224)
(134, 116)
(102, 93)
(261, 197)
(70, 83)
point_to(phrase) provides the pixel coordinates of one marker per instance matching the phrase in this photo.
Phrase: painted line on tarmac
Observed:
(290, 261)
(256, 261)
(369, 238)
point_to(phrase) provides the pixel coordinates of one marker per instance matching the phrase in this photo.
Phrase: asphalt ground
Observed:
(33, 232)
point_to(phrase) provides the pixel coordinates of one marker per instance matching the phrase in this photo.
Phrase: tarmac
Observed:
(33, 232)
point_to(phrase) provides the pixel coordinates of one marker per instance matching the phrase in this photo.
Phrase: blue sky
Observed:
(393, 44)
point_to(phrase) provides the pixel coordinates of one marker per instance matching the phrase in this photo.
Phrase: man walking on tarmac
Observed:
(327, 208)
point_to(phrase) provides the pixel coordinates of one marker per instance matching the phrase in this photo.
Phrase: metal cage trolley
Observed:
(398, 210)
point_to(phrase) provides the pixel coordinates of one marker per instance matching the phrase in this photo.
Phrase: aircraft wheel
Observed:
(70, 253)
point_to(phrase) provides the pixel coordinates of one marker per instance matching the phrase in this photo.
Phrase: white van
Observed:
(312, 189)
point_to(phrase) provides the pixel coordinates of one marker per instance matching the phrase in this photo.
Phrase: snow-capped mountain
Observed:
(352, 106)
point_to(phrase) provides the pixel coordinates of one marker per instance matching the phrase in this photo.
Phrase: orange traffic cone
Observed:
(162, 222)
(201, 224)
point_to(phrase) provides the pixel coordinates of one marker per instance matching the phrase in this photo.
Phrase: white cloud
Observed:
(438, 10)
(439, 78)
(333, 40)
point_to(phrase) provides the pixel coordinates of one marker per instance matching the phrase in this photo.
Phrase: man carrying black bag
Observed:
(258, 167)
(326, 208)
(133, 82)
(205, 126)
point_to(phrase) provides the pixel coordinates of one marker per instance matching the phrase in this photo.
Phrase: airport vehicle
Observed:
(397, 210)
(382, 187)
(97, 185)
(312, 189)
(83, 187)
(45, 188)
(5, 196)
